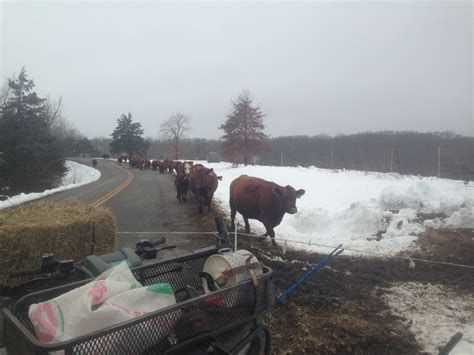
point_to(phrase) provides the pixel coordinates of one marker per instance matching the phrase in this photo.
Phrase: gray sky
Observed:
(317, 67)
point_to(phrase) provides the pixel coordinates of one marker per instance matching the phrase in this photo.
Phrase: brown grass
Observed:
(69, 230)
(452, 246)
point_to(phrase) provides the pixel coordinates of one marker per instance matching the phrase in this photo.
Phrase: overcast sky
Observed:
(314, 68)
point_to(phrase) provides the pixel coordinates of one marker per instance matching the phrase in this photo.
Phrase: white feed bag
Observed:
(114, 297)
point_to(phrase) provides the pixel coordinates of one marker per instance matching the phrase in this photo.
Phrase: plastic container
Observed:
(228, 268)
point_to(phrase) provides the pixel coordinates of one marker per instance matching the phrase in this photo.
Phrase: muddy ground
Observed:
(339, 311)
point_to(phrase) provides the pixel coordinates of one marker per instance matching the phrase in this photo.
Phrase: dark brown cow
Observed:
(176, 166)
(161, 166)
(262, 200)
(203, 183)
(182, 183)
(171, 165)
(135, 163)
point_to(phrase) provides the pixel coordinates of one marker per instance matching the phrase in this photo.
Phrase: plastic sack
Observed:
(114, 297)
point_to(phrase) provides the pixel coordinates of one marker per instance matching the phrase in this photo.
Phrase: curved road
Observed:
(145, 206)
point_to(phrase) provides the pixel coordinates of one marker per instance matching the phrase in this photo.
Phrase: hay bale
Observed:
(71, 230)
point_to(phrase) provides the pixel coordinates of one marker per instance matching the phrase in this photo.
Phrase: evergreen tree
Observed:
(30, 152)
(243, 130)
(127, 137)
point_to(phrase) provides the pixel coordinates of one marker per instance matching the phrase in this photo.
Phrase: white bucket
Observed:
(220, 267)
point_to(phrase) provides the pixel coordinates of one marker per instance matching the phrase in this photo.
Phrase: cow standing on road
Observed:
(182, 183)
(263, 200)
(203, 183)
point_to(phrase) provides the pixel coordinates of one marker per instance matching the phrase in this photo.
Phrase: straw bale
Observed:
(71, 230)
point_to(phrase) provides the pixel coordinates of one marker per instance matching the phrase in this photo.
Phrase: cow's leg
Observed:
(271, 233)
(185, 193)
(200, 198)
(269, 230)
(209, 204)
(247, 225)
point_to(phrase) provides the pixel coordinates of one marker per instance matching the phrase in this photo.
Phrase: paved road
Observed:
(145, 208)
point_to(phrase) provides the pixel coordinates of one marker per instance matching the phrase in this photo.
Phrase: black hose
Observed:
(222, 230)
(158, 241)
(26, 272)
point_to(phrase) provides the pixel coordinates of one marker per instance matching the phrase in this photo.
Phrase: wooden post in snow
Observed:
(391, 161)
(439, 160)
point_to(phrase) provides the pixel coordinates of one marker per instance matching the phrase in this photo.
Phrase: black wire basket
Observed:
(166, 330)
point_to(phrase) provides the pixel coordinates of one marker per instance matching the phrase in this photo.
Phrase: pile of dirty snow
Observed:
(76, 175)
(367, 212)
(434, 314)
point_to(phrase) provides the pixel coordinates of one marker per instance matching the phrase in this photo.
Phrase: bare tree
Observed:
(174, 129)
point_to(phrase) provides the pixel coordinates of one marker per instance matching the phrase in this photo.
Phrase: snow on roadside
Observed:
(76, 175)
(434, 314)
(368, 212)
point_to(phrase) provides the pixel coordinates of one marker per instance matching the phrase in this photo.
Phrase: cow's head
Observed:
(204, 177)
(288, 197)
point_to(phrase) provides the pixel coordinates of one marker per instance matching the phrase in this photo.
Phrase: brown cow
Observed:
(182, 183)
(203, 183)
(161, 166)
(262, 200)
(171, 165)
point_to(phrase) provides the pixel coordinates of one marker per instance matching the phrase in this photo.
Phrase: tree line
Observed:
(399, 152)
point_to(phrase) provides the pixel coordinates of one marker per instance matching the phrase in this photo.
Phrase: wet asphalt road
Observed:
(146, 208)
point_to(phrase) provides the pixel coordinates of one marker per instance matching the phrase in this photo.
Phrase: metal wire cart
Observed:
(200, 321)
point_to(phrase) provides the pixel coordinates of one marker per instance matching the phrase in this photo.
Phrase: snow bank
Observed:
(76, 175)
(367, 212)
(434, 314)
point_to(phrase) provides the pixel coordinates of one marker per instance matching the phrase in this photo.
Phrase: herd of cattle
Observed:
(200, 180)
(252, 197)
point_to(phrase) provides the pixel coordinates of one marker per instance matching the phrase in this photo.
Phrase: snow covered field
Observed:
(77, 175)
(434, 314)
(368, 212)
